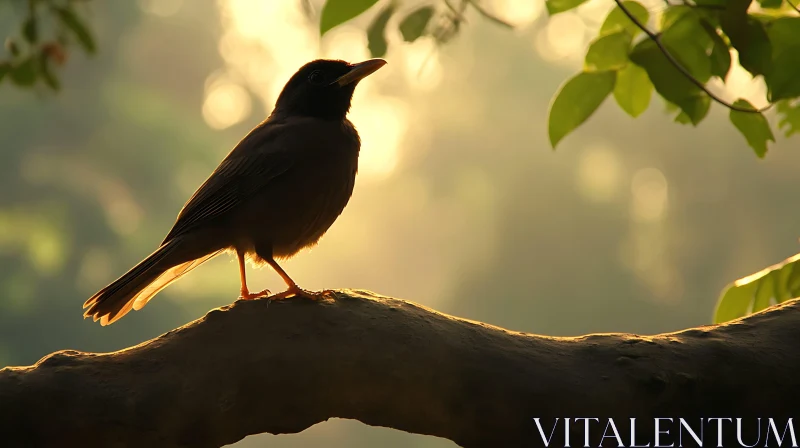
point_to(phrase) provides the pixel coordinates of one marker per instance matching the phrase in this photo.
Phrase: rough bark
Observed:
(280, 367)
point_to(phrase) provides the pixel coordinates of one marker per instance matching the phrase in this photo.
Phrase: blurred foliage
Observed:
(71, 210)
(689, 47)
(47, 30)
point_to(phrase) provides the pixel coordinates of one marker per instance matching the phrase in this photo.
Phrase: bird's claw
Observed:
(254, 295)
(298, 292)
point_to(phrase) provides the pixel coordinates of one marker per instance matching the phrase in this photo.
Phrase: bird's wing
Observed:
(256, 160)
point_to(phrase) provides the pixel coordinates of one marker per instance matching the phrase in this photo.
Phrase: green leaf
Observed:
(336, 12)
(689, 43)
(784, 32)
(755, 292)
(735, 302)
(694, 109)
(576, 101)
(30, 30)
(672, 14)
(783, 81)
(771, 4)
(793, 280)
(753, 126)
(784, 276)
(376, 32)
(78, 28)
(671, 84)
(609, 52)
(413, 26)
(790, 116)
(720, 54)
(748, 36)
(683, 118)
(617, 20)
(633, 90)
(47, 73)
(764, 293)
(24, 73)
(557, 6)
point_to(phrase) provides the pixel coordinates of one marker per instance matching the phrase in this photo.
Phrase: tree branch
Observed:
(280, 367)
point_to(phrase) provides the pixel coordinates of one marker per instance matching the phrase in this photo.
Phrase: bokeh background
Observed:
(461, 205)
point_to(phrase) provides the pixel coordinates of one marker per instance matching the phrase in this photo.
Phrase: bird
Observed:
(277, 191)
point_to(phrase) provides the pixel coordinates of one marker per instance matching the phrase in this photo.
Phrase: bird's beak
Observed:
(360, 71)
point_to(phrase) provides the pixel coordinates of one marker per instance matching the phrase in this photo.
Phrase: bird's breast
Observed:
(305, 201)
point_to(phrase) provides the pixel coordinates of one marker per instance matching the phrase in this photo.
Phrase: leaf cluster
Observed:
(41, 44)
(689, 45)
(442, 24)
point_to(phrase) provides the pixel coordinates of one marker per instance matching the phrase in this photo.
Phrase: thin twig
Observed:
(453, 23)
(793, 5)
(655, 38)
(459, 13)
(458, 17)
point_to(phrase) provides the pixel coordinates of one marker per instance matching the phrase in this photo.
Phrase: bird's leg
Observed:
(245, 293)
(293, 289)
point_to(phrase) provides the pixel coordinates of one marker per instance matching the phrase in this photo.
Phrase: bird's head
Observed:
(324, 88)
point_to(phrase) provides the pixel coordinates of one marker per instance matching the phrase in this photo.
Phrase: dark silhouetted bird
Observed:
(278, 191)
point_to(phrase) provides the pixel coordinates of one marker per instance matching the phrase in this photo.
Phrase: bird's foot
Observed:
(296, 291)
(246, 295)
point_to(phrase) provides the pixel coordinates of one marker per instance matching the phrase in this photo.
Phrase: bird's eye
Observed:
(316, 77)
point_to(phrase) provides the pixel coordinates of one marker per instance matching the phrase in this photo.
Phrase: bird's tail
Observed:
(137, 286)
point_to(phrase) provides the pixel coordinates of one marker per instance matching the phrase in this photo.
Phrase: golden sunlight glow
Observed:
(650, 195)
(599, 175)
(226, 104)
(345, 42)
(519, 13)
(277, 30)
(740, 84)
(264, 43)
(381, 122)
(563, 39)
(422, 67)
(594, 12)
